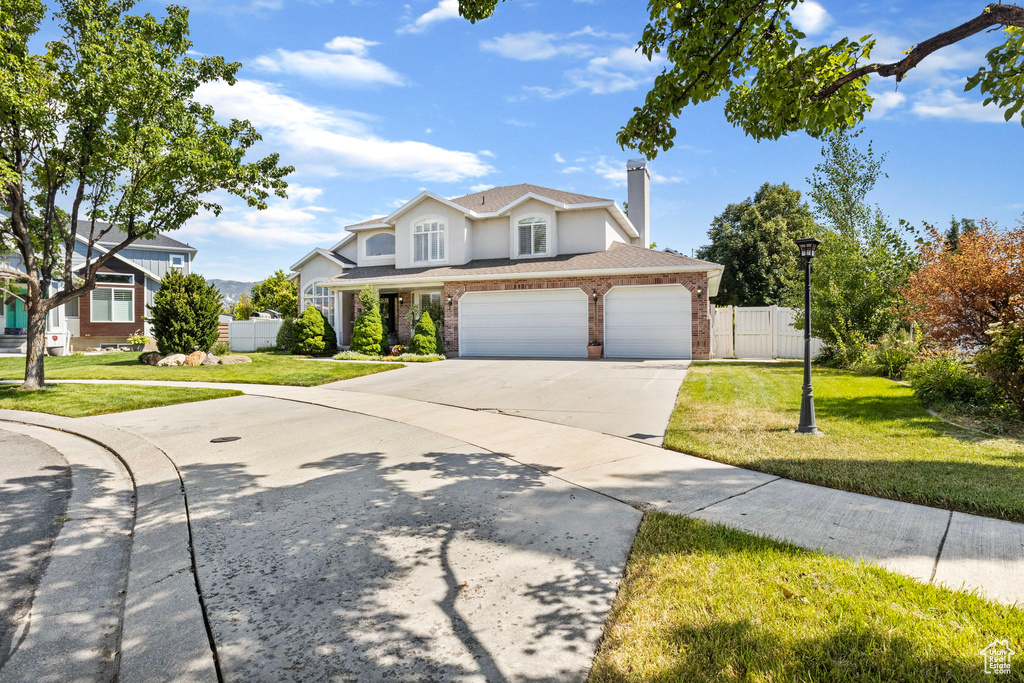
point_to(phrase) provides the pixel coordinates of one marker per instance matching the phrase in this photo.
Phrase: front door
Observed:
(388, 313)
(15, 314)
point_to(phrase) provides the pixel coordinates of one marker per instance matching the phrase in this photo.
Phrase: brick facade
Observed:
(113, 332)
(700, 310)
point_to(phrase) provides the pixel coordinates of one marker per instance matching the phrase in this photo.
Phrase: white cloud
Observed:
(946, 104)
(347, 63)
(350, 44)
(885, 103)
(615, 172)
(623, 69)
(518, 123)
(487, 153)
(558, 158)
(810, 17)
(572, 169)
(289, 222)
(479, 188)
(336, 142)
(446, 9)
(532, 46)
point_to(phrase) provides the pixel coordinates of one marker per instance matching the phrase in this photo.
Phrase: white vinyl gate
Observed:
(759, 332)
(249, 335)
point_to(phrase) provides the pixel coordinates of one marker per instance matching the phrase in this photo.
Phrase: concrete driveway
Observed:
(625, 398)
(345, 547)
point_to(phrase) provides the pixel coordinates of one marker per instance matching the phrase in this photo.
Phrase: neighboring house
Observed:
(521, 271)
(117, 307)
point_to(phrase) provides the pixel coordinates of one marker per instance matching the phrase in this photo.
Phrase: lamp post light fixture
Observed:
(808, 247)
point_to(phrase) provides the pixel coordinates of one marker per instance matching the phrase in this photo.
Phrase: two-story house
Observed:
(116, 308)
(522, 271)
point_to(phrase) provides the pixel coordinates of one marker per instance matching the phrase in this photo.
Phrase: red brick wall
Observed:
(404, 326)
(119, 330)
(701, 324)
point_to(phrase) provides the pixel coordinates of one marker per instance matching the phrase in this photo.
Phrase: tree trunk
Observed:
(35, 348)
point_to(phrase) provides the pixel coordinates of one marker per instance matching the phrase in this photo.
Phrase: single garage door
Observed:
(537, 323)
(647, 321)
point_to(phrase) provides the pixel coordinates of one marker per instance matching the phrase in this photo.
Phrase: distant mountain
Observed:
(231, 289)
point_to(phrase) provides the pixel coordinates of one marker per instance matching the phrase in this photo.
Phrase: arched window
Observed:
(532, 236)
(428, 240)
(320, 298)
(381, 244)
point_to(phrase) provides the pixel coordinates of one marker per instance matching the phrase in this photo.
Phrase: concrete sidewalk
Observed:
(958, 550)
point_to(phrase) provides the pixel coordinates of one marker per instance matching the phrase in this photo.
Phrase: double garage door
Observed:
(650, 321)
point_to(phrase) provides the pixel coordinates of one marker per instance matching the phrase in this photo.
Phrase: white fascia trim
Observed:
(343, 241)
(623, 220)
(369, 226)
(713, 273)
(321, 252)
(389, 220)
(120, 258)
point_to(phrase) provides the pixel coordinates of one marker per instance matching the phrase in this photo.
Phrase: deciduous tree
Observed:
(773, 81)
(754, 241)
(276, 293)
(956, 295)
(100, 131)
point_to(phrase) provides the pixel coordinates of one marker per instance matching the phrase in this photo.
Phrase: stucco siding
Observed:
(582, 232)
(490, 238)
(314, 270)
(365, 260)
(455, 248)
(350, 250)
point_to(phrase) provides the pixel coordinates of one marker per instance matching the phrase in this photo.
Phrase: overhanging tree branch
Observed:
(993, 15)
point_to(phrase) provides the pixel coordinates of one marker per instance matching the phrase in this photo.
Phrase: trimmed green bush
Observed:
(330, 336)
(286, 336)
(309, 333)
(368, 328)
(185, 313)
(424, 340)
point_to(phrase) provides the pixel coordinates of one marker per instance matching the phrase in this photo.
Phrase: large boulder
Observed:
(173, 359)
(195, 358)
(210, 359)
(235, 360)
(149, 358)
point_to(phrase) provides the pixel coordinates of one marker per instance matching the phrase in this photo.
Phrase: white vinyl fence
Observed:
(249, 335)
(759, 332)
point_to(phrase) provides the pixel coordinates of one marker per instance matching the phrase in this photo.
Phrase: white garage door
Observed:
(647, 321)
(538, 323)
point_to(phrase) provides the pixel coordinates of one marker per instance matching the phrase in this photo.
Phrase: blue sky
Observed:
(373, 101)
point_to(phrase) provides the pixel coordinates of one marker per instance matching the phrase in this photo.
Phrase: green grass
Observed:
(266, 368)
(701, 602)
(82, 400)
(879, 439)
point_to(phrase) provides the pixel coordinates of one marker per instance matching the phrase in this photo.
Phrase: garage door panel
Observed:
(532, 323)
(648, 321)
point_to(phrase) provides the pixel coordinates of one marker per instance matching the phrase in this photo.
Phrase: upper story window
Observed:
(428, 240)
(533, 236)
(177, 260)
(381, 244)
(115, 278)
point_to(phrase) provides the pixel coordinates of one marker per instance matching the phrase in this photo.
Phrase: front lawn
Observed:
(82, 400)
(701, 602)
(879, 439)
(266, 368)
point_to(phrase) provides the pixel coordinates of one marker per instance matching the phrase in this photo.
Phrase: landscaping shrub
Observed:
(947, 379)
(424, 340)
(330, 336)
(310, 333)
(1002, 361)
(368, 328)
(220, 349)
(286, 336)
(185, 313)
(891, 356)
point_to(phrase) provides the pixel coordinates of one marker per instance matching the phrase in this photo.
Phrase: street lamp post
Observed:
(808, 245)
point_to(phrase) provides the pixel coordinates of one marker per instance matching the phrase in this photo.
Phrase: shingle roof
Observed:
(493, 199)
(619, 256)
(116, 236)
(369, 222)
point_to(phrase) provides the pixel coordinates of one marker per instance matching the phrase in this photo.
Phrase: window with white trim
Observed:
(319, 298)
(532, 236)
(427, 298)
(112, 305)
(428, 241)
(177, 260)
(381, 244)
(115, 279)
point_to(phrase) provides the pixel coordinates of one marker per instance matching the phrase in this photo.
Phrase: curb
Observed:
(162, 599)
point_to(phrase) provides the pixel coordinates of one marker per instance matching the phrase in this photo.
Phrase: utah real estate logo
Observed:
(997, 657)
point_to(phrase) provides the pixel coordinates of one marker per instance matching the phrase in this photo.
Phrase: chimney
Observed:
(639, 198)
